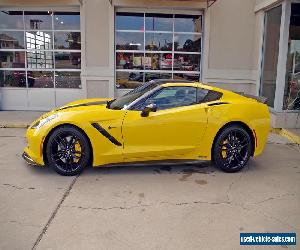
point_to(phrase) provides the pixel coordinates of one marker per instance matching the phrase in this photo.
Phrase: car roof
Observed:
(163, 81)
(176, 82)
(183, 82)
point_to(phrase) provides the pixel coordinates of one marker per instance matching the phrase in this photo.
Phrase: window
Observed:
(292, 85)
(201, 94)
(270, 54)
(208, 96)
(131, 96)
(154, 45)
(171, 97)
(40, 49)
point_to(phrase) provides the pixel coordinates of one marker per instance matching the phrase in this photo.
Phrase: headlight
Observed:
(44, 121)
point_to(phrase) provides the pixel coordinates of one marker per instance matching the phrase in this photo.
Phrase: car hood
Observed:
(84, 103)
(78, 107)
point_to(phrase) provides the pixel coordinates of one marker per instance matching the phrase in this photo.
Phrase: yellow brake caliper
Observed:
(78, 151)
(224, 149)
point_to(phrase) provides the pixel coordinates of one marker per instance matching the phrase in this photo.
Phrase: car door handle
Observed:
(110, 127)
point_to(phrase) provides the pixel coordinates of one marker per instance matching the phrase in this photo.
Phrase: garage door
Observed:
(40, 59)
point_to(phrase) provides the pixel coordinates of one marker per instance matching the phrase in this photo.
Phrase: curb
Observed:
(14, 125)
(294, 138)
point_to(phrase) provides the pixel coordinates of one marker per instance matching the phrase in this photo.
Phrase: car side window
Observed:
(201, 93)
(205, 95)
(171, 97)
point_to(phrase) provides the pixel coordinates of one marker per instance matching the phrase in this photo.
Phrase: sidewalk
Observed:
(18, 119)
(295, 131)
(293, 135)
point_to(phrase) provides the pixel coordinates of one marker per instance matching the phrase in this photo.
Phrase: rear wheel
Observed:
(232, 149)
(68, 151)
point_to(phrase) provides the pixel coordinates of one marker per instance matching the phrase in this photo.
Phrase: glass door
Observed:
(291, 99)
(270, 54)
(40, 59)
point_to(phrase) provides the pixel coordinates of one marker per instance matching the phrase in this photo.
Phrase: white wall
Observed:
(98, 50)
(230, 45)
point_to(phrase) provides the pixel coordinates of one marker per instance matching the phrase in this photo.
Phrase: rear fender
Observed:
(254, 116)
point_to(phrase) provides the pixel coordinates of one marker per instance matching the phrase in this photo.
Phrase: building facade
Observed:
(56, 51)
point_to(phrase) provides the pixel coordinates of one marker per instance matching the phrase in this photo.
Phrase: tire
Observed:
(68, 151)
(232, 149)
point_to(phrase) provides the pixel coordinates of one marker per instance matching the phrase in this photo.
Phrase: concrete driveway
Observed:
(146, 207)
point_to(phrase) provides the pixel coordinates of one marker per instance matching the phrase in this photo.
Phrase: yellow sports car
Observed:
(158, 121)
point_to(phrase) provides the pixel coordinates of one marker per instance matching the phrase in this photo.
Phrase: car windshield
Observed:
(128, 98)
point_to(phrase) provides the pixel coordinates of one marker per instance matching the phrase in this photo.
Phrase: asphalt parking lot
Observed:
(146, 207)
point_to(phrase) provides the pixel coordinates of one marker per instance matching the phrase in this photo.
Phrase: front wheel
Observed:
(232, 149)
(68, 151)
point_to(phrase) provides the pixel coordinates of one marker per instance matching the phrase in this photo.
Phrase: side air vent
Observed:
(106, 134)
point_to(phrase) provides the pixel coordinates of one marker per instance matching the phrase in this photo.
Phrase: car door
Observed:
(171, 132)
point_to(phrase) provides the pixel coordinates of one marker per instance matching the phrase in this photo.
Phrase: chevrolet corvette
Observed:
(159, 121)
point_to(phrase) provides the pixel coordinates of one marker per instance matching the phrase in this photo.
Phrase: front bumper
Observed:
(34, 147)
(29, 160)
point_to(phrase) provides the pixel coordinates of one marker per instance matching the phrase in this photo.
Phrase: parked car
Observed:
(160, 120)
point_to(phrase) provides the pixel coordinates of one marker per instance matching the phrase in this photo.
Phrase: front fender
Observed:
(104, 151)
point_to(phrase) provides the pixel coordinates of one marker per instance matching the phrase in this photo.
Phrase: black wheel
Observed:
(232, 149)
(68, 151)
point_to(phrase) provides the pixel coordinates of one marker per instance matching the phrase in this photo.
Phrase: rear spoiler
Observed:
(261, 99)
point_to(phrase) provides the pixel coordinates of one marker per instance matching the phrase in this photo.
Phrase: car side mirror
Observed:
(149, 108)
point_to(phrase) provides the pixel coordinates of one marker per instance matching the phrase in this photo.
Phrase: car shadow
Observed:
(39, 170)
(252, 166)
(153, 169)
(146, 169)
